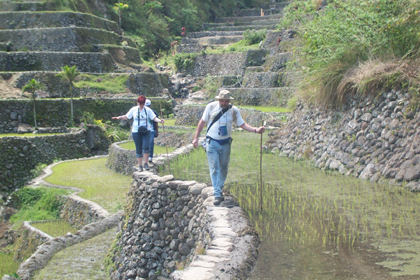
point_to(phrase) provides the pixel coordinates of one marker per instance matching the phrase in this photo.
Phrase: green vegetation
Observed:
(55, 228)
(36, 204)
(155, 24)
(107, 83)
(8, 264)
(97, 182)
(355, 46)
(184, 61)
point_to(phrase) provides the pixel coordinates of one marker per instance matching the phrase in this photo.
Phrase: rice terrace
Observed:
(187, 139)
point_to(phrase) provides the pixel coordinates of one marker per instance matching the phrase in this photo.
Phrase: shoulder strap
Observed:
(138, 115)
(217, 117)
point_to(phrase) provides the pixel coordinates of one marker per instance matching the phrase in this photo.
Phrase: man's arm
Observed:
(200, 127)
(249, 128)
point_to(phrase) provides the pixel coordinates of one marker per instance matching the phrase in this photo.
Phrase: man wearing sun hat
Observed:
(219, 117)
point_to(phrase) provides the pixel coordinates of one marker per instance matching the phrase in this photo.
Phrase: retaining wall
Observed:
(19, 155)
(371, 138)
(171, 223)
(56, 112)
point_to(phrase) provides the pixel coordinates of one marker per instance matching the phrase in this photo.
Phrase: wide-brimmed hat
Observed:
(224, 94)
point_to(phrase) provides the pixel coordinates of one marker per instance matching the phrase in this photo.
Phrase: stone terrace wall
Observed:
(374, 138)
(56, 112)
(225, 64)
(169, 223)
(19, 155)
(191, 114)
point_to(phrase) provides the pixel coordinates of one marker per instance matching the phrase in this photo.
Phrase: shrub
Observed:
(252, 37)
(184, 62)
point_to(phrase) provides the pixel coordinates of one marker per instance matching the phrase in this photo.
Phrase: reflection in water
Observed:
(309, 236)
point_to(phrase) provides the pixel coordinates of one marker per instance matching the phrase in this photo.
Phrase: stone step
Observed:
(247, 19)
(212, 40)
(53, 61)
(27, 6)
(121, 54)
(262, 80)
(200, 34)
(29, 19)
(242, 27)
(70, 39)
(276, 96)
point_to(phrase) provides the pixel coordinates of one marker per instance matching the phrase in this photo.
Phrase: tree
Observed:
(118, 7)
(32, 86)
(69, 74)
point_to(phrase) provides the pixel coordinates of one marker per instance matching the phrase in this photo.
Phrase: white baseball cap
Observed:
(148, 102)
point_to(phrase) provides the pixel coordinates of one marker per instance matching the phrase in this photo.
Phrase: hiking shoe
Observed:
(146, 166)
(140, 168)
(218, 200)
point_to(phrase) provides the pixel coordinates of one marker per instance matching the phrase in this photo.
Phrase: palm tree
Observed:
(118, 7)
(69, 74)
(32, 86)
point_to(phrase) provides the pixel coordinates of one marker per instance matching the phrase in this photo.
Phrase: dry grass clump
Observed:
(374, 76)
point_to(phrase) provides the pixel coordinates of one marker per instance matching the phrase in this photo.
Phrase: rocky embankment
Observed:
(371, 138)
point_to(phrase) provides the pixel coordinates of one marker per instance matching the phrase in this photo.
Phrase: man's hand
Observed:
(195, 142)
(260, 130)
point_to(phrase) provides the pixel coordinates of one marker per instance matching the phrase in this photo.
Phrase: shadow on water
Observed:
(316, 224)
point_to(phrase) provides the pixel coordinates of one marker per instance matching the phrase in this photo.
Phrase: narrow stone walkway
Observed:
(84, 260)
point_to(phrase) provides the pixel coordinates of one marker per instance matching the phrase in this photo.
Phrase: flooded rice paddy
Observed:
(315, 224)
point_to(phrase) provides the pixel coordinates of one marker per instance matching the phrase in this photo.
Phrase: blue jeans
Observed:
(142, 143)
(218, 158)
(151, 144)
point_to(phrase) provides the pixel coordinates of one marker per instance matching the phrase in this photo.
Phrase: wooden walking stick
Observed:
(261, 180)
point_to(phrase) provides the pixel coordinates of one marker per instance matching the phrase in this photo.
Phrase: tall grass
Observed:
(333, 40)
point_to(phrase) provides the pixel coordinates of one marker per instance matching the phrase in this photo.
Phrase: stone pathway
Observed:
(84, 260)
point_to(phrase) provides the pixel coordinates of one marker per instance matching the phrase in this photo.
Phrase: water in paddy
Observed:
(318, 225)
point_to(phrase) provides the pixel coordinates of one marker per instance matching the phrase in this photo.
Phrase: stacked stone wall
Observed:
(171, 224)
(56, 112)
(19, 155)
(191, 114)
(372, 138)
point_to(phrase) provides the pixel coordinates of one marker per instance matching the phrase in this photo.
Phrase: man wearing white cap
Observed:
(219, 117)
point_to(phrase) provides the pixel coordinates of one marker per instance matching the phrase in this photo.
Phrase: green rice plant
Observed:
(55, 228)
(97, 182)
(8, 264)
(308, 207)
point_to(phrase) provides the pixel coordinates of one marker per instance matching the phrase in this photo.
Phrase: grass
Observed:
(37, 204)
(97, 182)
(108, 83)
(268, 109)
(305, 206)
(28, 134)
(8, 264)
(55, 228)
